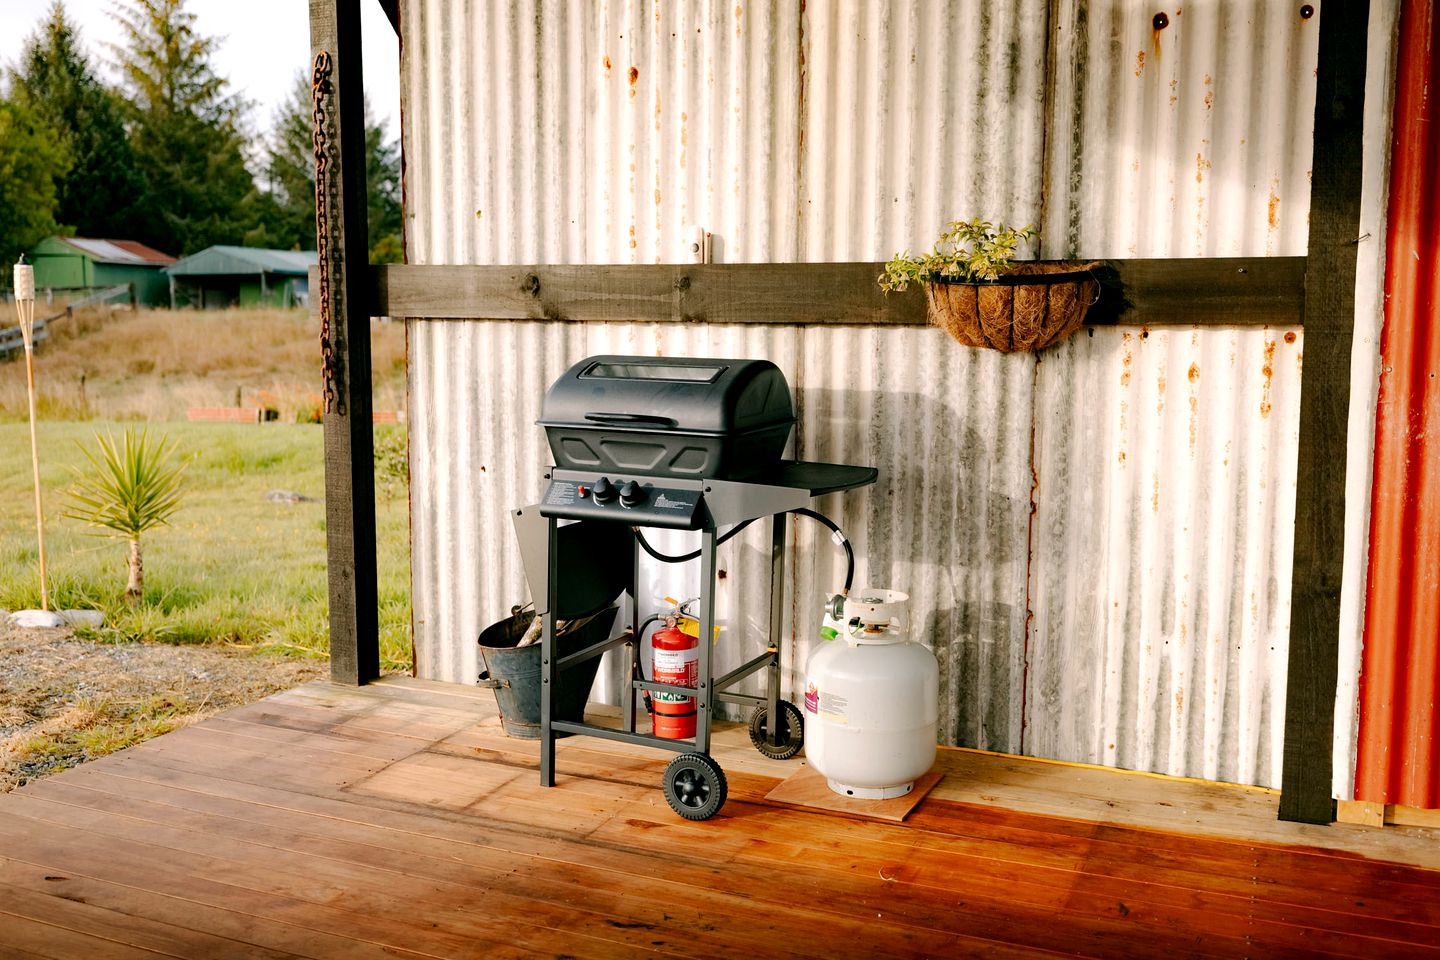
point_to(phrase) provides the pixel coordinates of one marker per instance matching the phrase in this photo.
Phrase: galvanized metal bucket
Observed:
(514, 672)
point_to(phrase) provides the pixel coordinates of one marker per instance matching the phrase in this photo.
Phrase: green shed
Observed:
(77, 263)
(219, 277)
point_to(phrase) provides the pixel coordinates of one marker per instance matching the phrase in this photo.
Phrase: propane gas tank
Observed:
(871, 700)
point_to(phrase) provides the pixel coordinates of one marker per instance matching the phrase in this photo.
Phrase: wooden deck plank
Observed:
(47, 938)
(380, 914)
(625, 910)
(330, 822)
(1183, 870)
(1135, 891)
(76, 914)
(177, 901)
(545, 884)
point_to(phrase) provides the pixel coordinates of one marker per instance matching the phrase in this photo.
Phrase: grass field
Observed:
(155, 364)
(232, 567)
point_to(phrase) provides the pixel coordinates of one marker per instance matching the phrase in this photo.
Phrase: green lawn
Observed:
(232, 567)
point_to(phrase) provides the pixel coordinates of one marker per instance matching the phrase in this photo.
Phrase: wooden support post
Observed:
(344, 298)
(1324, 415)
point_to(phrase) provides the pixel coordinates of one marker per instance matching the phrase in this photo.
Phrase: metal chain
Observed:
(325, 199)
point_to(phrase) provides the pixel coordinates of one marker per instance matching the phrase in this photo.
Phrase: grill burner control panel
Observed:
(624, 500)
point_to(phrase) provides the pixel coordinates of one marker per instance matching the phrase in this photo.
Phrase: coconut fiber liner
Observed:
(1029, 307)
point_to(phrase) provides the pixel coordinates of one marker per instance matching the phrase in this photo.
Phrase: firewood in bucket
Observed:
(532, 635)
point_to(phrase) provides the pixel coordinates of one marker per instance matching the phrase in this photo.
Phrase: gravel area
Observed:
(65, 700)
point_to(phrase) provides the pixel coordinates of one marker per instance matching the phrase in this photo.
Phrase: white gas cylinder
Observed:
(871, 700)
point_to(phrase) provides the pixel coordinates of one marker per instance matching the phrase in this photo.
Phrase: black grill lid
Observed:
(695, 396)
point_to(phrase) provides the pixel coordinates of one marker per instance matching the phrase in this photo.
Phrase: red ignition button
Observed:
(580, 489)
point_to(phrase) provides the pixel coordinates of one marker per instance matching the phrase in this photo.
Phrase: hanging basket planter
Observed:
(1028, 307)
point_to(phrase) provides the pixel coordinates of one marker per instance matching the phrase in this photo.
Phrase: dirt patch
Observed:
(64, 700)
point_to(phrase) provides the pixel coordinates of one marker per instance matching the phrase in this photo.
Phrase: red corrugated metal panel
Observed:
(1400, 678)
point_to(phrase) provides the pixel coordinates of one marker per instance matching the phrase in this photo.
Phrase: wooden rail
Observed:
(1242, 291)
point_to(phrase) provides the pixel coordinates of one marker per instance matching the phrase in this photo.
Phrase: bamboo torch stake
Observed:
(25, 308)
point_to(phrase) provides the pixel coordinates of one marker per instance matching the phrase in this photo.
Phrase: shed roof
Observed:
(118, 251)
(229, 261)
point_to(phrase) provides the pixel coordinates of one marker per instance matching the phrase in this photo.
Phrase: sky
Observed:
(263, 43)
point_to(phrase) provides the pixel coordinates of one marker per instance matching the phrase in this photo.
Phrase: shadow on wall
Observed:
(948, 523)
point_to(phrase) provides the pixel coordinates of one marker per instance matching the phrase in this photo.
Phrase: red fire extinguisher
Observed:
(676, 659)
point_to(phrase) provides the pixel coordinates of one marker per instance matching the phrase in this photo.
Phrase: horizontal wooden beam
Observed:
(1249, 291)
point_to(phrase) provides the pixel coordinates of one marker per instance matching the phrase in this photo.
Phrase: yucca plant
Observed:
(134, 486)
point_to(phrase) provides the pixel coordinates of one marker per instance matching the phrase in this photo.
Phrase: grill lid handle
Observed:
(633, 419)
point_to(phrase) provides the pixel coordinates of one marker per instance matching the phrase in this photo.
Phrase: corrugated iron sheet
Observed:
(943, 514)
(1165, 460)
(1161, 550)
(1146, 597)
(1400, 683)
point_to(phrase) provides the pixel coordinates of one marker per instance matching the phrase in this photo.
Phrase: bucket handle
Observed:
(489, 684)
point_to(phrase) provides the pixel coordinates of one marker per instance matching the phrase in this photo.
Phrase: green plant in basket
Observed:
(970, 251)
(134, 486)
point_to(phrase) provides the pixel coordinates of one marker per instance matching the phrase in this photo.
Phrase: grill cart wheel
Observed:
(694, 786)
(791, 736)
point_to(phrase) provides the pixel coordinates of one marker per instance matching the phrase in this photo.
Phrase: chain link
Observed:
(326, 198)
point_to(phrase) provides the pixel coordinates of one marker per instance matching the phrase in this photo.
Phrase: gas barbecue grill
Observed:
(681, 444)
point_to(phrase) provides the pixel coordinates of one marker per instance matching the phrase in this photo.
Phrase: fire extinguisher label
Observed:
(677, 666)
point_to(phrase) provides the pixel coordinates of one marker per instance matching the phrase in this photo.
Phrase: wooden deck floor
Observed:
(397, 820)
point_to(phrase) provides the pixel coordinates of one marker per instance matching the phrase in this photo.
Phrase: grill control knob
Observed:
(631, 494)
(603, 491)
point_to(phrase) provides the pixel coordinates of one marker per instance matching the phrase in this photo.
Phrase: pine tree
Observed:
(382, 177)
(290, 168)
(103, 189)
(290, 175)
(187, 130)
(31, 162)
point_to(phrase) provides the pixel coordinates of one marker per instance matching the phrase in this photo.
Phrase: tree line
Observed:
(161, 157)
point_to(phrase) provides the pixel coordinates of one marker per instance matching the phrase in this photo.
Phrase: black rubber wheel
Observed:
(791, 735)
(694, 786)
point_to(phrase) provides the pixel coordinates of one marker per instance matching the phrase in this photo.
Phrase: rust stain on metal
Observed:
(1180, 701)
(1155, 495)
(657, 109)
(1270, 217)
(1201, 165)
(634, 78)
(1194, 373)
(606, 62)
(1269, 373)
(739, 14)
(1194, 421)
(1140, 63)
(1209, 92)
(1126, 361)
(1290, 336)
(1160, 394)
(1174, 92)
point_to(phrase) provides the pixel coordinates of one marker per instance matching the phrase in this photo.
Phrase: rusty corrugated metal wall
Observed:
(1139, 617)
(606, 165)
(1400, 682)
